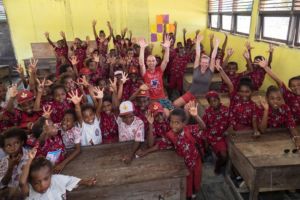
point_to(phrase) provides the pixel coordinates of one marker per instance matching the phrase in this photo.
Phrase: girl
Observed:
(276, 114)
(37, 181)
(88, 119)
(202, 75)
(61, 51)
(101, 40)
(291, 95)
(79, 49)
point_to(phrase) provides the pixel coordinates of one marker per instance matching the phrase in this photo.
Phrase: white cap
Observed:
(126, 107)
(118, 72)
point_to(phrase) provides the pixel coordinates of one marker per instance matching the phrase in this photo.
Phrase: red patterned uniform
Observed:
(293, 101)
(96, 76)
(58, 110)
(59, 53)
(257, 76)
(6, 121)
(141, 115)
(177, 71)
(109, 128)
(80, 53)
(172, 55)
(217, 122)
(241, 113)
(102, 46)
(129, 88)
(185, 146)
(234, 79)
(159, 131)
(279, 118)
(22, 118)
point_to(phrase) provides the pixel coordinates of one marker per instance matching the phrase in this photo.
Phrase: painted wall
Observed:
(29, 19)
(286, 61)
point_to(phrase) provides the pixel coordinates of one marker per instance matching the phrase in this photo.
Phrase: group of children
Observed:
(101, 96)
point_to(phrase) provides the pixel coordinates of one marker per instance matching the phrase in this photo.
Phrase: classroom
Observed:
(150, 99)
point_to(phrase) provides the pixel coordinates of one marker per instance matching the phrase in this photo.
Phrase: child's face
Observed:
(60, 95)
(128, 119)
(101, 34)
(159, 117)
(69, 84)
(275, 99)
(295, 86)
(118, 37)
(102, 84)
(130, 53)
(142, 103)
(13, 146)
(107, 107)
(77, 42)
(181, 51)
(179, 45)
(232, 69)
(133, 77)
(27, 107)
(51, 130)
(68, 122)
(176, 123)
(88, 116)
(92, 66)
(41, 179)
(214, 102)
(2, 92)
(245, 92)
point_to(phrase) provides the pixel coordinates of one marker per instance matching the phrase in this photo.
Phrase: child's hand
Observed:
(199, 38)
(144, 87)
(218, 65)
(62, 34)
(184, 30)
(167, 42)
(74, 97)
(256, 134)
(32, 153)
(83, 81)
(127, 159)
(141, 153)
(12, 91)
(263, 63)
(143, 43)
(113, 85)
(58, 168)
(193, 108)
(46, 34)
(74, 60)
(271, 48)
(197, 32)
(14, 161)
(89, 181)
(41, 85)
(264, 103)
(230, 52)
(216, 42)
(47, 110)
(149, 117)
(124, 77)
(246, 54)
(248, 46)
(19, 69)
(32, 66)
(98, 92)
(94, 22)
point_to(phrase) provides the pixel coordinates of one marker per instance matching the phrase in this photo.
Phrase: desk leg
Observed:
(254, 190)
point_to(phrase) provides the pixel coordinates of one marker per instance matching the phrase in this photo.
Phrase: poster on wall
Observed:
(157, 29)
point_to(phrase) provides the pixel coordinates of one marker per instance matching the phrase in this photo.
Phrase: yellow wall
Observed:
(29, 19)
(286, 61)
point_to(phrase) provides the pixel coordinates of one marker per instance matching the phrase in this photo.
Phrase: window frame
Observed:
(235, 24)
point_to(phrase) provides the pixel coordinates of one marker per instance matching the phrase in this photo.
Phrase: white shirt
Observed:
(60, 184)
(91, 132)
(135, 131)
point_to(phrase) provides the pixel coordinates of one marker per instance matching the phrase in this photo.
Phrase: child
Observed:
(79, 49)
(37, 181)
(132, 84)
(61, 51)
(276, 114)
(101, 40)
(12, 142)
(88, 119)
(130, 128)
(292, 95)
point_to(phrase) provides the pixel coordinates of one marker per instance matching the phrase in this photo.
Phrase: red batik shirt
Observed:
(58, 109)
(279, 118)
(241, 112)
(179, 65)
(80, 53)
(159, 131)
(217, 122)
(172, 55)
(61, 52)
(141, 115)
(129, 88)
(102, 46)
(109, 128)
(293, 101)
(257, 76)
(22, 118)
(96, 75)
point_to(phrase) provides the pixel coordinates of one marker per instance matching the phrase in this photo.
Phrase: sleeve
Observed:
(164, 143)
(140, 132)
(3, 169)
(68, 182)
(290, 121)
(77, 136)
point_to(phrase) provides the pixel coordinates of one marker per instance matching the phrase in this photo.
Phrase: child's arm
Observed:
(23, 182)
(123, 32)
(111, 31)
(264, 64)
(193, 111)
(94, 22)
(264, 122)
(198, 51)
(32, 69)
(49, 40)
(98, 95)
(76, 101)
(40, 89)
(134, 95)
(184, 37)
(211, 42)
(63, 35)
(58, 168)
(249, 47)
(226, 59)
(114, 89)
(143, 44)
(74, 62)
(150, 120)
(20, 71)
(128, 158)
(152, 149)
(213, 55)
(224, 76)
(87, 182)
(224, 44)
(246, 55)
(271, 50)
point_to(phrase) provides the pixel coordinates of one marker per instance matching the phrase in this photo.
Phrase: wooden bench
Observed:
(158, 175)
(262, 162)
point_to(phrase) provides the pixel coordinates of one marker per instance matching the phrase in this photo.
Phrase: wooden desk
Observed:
(262, 162)
(159, 174)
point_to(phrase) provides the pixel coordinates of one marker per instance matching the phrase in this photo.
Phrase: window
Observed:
(279, 21)
(233, 15)
(2, 12)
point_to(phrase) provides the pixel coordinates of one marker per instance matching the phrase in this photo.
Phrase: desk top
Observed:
(104, 161)
(268, 150)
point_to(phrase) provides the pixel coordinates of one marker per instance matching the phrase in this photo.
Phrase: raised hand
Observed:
(98, 92)
(193, 111)
(46, 35)
(184, 30)
(32, 153)
(74, 97)
(13, 161)
(262, 63)
(41, 85)
(74, 60)
(230, 51)
(271, 48)
(124, 77)
(264, 103)
(19, 69)
(218, 65)
(246, 54)
(149, 116)
(47, 110)
(167, 42)
(144, 87)
(94, 22)
(199, 38)
(216, 42)
(96, 58)
(248, 46)
(113, 85)
(12, 91)
(142, 43)
(62, 34)
(83, 81)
